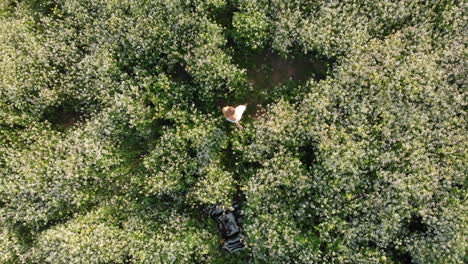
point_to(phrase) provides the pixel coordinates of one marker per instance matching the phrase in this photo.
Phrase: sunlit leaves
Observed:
(112, 141)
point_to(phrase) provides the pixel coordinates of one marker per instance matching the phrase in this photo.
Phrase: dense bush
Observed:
(112, 143)
(387, 148)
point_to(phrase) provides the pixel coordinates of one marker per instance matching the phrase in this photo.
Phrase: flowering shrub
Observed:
(112, 140)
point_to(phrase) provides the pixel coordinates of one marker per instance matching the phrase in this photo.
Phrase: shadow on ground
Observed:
(273, 77)
(63, 116)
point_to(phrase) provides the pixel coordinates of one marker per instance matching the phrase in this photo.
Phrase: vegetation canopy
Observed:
(113, 143)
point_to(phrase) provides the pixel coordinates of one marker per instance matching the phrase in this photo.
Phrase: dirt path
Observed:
(267, 72)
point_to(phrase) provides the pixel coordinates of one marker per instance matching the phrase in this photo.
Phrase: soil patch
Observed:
(273, 77)
(179, 74)
(63, 116)
(268, 70)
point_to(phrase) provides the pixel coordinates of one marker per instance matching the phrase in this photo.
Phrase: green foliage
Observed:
(278, 224)
(126, 231)
(251, 28)
(112, 142)
(216, 187)
(45, 177)
(90, 239)
(381, 157)
(188, 160)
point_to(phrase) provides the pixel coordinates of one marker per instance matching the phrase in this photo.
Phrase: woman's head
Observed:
(228, 111)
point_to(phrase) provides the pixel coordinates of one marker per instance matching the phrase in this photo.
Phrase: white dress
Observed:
(238, 113)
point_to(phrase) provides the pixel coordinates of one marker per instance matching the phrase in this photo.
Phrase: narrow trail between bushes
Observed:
(270, 74)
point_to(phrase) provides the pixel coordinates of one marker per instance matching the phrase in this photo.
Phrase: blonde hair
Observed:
(228, 111)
